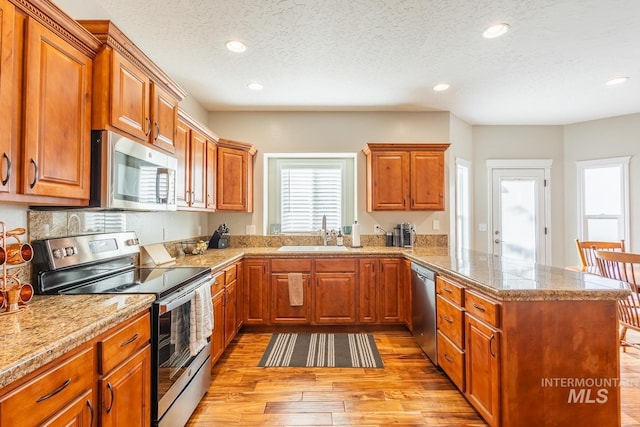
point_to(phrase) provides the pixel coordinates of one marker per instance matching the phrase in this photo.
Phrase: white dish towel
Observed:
(200, 320)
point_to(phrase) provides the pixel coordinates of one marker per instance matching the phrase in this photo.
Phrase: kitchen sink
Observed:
(296, 248)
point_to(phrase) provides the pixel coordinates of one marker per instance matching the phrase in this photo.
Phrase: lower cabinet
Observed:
(256, 292)
(334, 294)
(217, 336)
(381, 297)
(224, 300)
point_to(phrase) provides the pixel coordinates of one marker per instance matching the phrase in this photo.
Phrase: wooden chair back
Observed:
(586, 250)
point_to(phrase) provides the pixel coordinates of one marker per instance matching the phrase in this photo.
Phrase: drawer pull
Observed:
(91, 411)
(447, 290)
(446, 356)
(447, 318)
(493, 337)
(478, 307)
(130, 340)
(54, 392)
(110, 388)
(35, 174)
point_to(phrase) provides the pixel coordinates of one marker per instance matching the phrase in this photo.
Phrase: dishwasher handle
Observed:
(423, 273)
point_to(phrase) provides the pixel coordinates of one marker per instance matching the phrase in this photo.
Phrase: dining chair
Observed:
(586, 250)
(623, 266)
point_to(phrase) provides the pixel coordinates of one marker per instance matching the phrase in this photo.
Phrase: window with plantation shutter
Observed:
(302, 190)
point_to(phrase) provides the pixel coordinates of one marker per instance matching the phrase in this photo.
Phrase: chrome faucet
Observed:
(324, 230)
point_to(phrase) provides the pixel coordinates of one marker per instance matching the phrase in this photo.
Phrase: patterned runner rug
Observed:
(322, 350)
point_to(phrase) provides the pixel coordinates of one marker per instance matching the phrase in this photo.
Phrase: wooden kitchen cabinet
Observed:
(9, 113)
(235, 176)
(210, 174)
(217, 336)
(381, 291)
(230, 304)
(136, 96)
(256, 293)
(334, 295)
(282, 312)
(408, 296)
(240, 296)
(450, 324)
(405, 176)
(367, 295)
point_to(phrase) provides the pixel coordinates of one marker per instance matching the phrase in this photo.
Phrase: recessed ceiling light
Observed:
(255, 86)
(617, 81)
(440, 87)
(495, 31)
(236, 46)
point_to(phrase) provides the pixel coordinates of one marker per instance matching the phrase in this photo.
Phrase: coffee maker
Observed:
(403, 235)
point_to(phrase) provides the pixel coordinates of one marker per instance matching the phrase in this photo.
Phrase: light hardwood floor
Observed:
(409, 390)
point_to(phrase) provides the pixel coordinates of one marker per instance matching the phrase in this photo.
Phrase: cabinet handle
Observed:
(157, 132)
(447, 290)
(478, 307)
(446, 356)
(8, 175)
(54, 392)
(130, 340)
(35, 174)
(90, 411)
(148, 120)
(110, 388)
(493, 337)
(447, 318)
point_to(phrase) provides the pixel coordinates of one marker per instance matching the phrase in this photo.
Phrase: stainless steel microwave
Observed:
(128, 175)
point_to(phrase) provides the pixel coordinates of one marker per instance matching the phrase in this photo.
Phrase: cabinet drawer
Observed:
(450, 321)
(450, 290)
(50, 392)
(325, 265)
(123, 343)
(288, 265)
(483, 308)
(230, 274)
(451, 360)
(218, 282)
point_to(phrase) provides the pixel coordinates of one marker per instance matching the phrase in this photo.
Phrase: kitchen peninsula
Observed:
(527, 325)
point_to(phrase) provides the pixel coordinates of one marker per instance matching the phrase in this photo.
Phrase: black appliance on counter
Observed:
(104, 264)
(220, 238)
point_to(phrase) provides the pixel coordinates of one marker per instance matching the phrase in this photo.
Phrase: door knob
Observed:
(496, 241)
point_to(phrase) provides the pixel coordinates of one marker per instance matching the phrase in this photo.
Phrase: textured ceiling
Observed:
(388, 54)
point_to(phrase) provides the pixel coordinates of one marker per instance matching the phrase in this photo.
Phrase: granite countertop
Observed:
(52, 325)
(501, 278)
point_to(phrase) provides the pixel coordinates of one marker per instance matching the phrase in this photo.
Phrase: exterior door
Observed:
(518, 214)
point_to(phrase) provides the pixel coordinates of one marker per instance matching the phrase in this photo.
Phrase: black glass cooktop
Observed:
(159, 281)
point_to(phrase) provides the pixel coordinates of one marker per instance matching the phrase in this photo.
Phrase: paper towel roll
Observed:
(355, 235)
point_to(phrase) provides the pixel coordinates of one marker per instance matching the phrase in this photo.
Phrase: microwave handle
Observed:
(163, 198)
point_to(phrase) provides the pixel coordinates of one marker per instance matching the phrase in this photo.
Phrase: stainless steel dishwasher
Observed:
(423, 309)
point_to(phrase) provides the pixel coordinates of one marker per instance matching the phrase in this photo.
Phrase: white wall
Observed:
(599, 139)
(278, 132)
(461, 136)
(520, 142)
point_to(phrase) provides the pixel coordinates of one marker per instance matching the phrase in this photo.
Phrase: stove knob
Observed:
(131, 242)
(57, 253)
(71, 250)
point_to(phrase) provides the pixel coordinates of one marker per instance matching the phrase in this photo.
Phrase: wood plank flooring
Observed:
(409, 391)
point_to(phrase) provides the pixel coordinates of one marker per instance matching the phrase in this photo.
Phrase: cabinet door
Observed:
(282, 311)
(8, 110)
(367, 301)
(391, 300)
(482, 348)
(406, 275)
(198, 164)
(182, 147)
(57, 102)
(165, 116)
(230, 312)
(125, 393)
(427, 180)
(232, 179)
(130, 95)
(335, 298)
(240, 296)
(389, 184)
(256, 292)
(212, 153)
(80, 413)
(217, 337)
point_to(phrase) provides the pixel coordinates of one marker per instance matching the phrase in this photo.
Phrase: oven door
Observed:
(180, 378)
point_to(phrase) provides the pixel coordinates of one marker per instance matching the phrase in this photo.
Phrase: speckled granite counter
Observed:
(50, 326)
(501, 278)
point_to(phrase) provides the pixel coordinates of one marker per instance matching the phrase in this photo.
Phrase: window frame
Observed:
(350, 207)
(581, 166)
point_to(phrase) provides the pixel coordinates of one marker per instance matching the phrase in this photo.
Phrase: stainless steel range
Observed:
(104, 263)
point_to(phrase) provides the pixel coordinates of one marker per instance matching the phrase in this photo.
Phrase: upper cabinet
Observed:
(196, 153)
(46, 68)
(405, 176)
(135, 96)
(235, 176)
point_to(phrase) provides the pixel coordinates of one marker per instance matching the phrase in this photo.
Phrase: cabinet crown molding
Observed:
(405, 146)
(238, 145)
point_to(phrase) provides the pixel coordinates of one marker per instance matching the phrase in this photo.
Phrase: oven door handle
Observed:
(173, 302)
